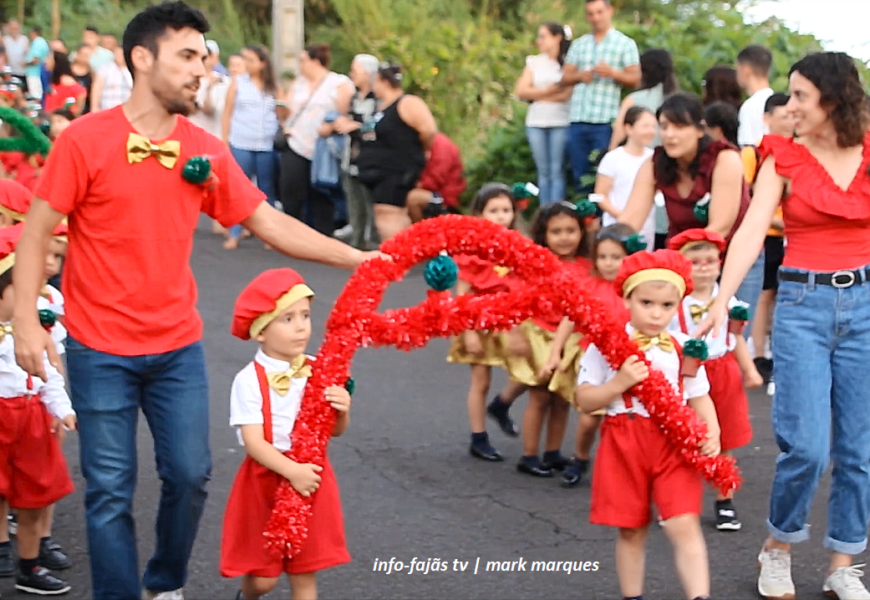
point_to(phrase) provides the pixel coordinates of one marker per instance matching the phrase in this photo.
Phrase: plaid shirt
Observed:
(598, 101)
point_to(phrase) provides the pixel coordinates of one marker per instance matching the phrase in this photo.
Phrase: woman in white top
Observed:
(316, 92)
(619, 168)
(548, 116)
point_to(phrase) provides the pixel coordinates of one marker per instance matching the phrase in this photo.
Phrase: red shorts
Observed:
(243, 547)
(636, 467)
(33, 471)
(729, 398)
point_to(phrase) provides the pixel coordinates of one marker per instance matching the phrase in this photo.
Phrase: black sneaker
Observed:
(12, 523)
(41, 582)
(501, 413)
(52, 557)
(726, 516)
(7, 563)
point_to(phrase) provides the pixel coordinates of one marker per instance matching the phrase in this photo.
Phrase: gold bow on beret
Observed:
(139, 148)
(280, 380)
(645, 343)
(501, 271)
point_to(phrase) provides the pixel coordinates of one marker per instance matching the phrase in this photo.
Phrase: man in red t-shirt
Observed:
(443, 176)
(134, 332)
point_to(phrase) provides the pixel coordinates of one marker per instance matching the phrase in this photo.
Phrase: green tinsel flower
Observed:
(30, 140)
(696, 348)
(197, 170)
(585, 208)
(47, 318)
(739, 313)
(635, 243)
(350, 385)
(441, 273)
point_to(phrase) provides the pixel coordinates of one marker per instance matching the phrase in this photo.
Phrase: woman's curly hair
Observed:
(842, 95)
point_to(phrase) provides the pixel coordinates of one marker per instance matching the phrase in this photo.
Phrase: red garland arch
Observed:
(354, 323)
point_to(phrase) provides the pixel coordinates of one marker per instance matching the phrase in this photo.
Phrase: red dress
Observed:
(680, 209)
(243, 548)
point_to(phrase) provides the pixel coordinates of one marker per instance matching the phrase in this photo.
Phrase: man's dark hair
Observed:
(775, 102)
(758, 58)
(92, 29)
(36, 29)
(606, 2)
(5, 281)
(151, 24)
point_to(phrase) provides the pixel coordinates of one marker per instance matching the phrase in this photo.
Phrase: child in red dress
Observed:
(275, 310)
(636, 465)
(730, 367)
(483, 350)
(608, 252)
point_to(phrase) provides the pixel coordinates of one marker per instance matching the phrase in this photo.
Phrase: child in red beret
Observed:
(15, 201)
(636, 466)
(730, 366)
(33, 471)
(275, 310)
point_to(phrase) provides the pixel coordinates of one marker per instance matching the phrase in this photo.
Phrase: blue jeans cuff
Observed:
(849, 548)
(789, 538)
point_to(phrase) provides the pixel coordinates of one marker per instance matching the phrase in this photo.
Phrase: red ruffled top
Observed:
(826, 228)
(550, 321)
(680, 209)
(484, 276)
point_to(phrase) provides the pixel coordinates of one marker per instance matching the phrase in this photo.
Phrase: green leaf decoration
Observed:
(696, 348)
(30, 140)
(739, 313)
(585, 208)
(635, 243)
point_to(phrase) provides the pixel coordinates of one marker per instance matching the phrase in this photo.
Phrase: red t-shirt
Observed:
(826, 228)
(443, 172)
(127, 280)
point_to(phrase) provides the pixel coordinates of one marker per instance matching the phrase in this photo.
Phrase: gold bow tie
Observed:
(662, 340)
(280, 380)
(698, 311)
(45, 294)
(501, 271)
(139, 148)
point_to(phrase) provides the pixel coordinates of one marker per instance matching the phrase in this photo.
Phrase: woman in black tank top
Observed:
(393, 150)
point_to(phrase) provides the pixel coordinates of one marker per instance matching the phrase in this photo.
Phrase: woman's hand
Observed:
(716, 317)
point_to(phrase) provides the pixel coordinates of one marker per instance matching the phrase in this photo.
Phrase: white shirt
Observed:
(717, 346)
(218, 95)
(246, 402)
(546, 72)
(13, 382)
(751, 118)
(623, 168)
(58, 332)
(595, 370)
(16, 50)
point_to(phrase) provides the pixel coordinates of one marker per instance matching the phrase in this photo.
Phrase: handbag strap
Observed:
(305, 104)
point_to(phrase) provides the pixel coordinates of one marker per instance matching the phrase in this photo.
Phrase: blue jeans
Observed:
(583, 140)
(820, 340)
(264, 167)
(749, 292)
(107, 392)
(548, 149)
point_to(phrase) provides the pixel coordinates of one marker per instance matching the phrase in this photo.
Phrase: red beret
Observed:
(264, 298)
(690, 237)
(15, 199)
(61, 231)
(661, 265)
(9, 237)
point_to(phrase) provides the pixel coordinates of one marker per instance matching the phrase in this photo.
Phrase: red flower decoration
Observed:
(354, 323)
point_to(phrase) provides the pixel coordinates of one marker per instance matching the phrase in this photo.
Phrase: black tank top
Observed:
(389, 145)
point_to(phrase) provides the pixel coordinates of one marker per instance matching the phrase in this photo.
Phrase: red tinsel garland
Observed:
(355, 323)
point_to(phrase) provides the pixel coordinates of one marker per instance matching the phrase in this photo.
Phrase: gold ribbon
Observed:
(5, 329)
(280, 381)
(501, 271)
(139, 148)
(645, 343)
(698, 311)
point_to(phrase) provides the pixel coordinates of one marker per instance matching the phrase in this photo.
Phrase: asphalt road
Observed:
(409, 488)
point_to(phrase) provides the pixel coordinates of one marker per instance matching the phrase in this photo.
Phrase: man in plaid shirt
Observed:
(598, 64)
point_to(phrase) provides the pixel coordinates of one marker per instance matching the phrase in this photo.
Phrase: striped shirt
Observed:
(598, 101)
(253, 123)
(117, 86)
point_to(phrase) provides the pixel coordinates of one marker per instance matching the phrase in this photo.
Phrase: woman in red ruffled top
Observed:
(821, 330)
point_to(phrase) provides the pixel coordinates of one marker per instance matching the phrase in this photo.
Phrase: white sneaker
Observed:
(344, 232)
(172, 595)
(845, 584)
(774, 576)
